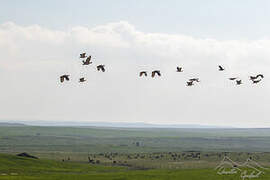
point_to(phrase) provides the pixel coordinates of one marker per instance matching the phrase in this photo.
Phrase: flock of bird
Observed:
(87, 61)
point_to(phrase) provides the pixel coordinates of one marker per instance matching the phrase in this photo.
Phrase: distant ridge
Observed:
(5, 124)
(116, 124)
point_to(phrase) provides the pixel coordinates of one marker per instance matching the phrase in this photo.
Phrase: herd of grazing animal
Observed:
(255, 79)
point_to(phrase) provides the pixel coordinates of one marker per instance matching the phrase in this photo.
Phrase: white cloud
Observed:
(32, 58)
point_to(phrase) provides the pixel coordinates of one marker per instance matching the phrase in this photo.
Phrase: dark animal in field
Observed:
(64, 77)
(194, 80)
(220, 68)
(82, 79)
(143, 73)
(232, 79)
(26, 155)
(101, 67)
(87, 61)
(83, 55)
(156, 72)
(238, 82)
(179, 69)
(190, 83)
(256, 81)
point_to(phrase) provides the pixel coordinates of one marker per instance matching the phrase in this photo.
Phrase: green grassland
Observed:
(13, 167)
(96, 140)
(122, 153)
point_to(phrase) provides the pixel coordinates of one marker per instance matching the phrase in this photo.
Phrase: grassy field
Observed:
(96, 140)
(119, 153)
(13, 167)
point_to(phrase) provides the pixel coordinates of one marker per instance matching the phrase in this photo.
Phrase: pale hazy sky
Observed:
(40, 40)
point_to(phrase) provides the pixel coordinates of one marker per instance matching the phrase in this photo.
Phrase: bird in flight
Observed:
(64, 77)
(83, 55)
(82, 79)
(143, 73)
(220, 68)
(101, 67)
(156, 72)
(256, 77)
(233, 78)
(238, 82)
(87, 61)
(179, 69)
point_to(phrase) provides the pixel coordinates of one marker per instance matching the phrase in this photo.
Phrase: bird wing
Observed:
(190, 83)
(260, 75)
(61, 79)
(88, 59)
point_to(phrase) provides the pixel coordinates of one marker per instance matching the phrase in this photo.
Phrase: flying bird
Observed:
(64, 77)
(143, 73)
(83, 55)
(156, 72)
(82, 79)
(232, 79)
(220, 68)
(101, 67)
(256, 77)
(238, 82)
(87, 61)
(179, 69)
